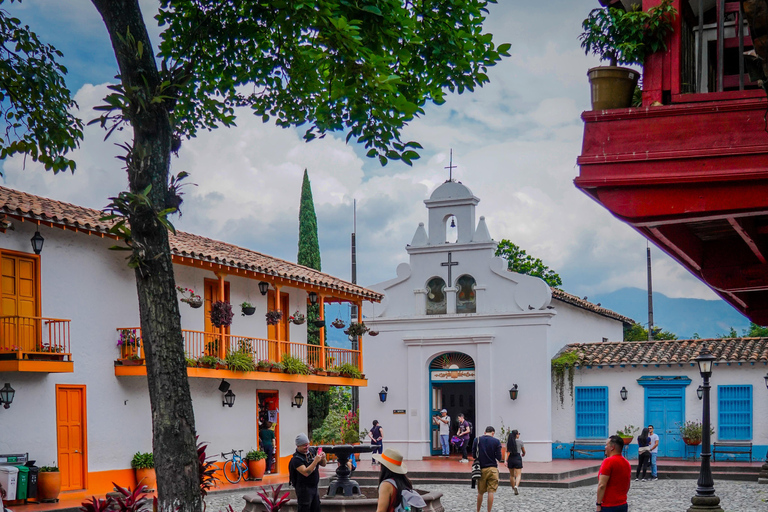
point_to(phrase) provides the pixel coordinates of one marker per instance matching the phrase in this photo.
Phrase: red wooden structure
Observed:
(689, 169)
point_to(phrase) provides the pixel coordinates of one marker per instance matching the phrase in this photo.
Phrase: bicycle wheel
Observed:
(244, 469)
(231, 473)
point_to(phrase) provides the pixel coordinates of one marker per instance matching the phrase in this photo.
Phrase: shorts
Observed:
(515, 462)
(489, 480)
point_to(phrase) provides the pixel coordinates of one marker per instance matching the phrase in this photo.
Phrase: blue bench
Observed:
(587, 446)
(734, 447)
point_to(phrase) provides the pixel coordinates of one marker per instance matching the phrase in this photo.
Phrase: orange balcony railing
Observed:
(35, 335)
(199, 343)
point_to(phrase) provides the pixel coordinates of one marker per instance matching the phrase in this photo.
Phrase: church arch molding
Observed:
(466, 297)
(451, 228)
(437, 302)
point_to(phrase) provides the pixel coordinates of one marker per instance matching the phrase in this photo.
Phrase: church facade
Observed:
(458, 331)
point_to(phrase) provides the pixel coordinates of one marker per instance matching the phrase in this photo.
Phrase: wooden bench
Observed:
(587, 446)
(736, 447)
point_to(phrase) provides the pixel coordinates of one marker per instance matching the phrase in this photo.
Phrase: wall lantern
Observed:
(6, 395)
(705, 360)
(224, 386)
(623, 393)
(383, 394)
(37, 242)
(700, 392)
(513, 392)
(298, 400)
(313, 298)
(229, 399)
(263, 287)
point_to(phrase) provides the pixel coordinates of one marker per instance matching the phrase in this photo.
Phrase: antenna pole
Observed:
(650, 293)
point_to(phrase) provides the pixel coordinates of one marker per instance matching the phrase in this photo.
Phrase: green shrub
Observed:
(208, 361)
(255, 455)
(349, 370)
(143, 461)
(49, 469)
(240, 362)
(294, 365)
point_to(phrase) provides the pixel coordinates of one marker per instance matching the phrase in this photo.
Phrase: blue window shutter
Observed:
(591, 412)
(734, 413)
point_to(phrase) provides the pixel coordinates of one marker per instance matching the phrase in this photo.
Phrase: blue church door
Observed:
(665, 410)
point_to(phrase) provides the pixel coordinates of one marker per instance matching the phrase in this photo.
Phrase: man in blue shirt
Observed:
(487, 450)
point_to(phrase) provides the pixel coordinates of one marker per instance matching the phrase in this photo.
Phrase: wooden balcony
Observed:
(209, 349)
(35, 344)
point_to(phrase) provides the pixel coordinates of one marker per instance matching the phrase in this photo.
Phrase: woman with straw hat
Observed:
(394, 486)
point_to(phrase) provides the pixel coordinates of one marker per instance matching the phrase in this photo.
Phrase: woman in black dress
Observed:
(516, 451)
(644, 453)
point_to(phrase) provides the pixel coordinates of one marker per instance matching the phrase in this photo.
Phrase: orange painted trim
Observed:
(37, 366)
(100, 482)
(211, 373)
(318, 387)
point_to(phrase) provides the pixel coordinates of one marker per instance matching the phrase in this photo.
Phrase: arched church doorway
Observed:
(452, 387)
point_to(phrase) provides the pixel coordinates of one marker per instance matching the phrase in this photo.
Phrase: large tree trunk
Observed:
(173, 421)
(756, 13)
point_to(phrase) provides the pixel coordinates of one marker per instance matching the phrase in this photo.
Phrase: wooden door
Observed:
(71, 436)
(211, 296)
(20, 298)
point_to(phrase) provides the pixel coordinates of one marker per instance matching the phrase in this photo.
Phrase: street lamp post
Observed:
(705, 499)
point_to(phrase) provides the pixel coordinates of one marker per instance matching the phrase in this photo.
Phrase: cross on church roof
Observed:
(449, 264)
(450, 167)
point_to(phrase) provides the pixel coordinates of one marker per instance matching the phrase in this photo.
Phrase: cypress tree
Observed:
(309, 256)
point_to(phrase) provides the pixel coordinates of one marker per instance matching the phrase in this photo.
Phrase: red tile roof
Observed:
(188, 245)
(726, 350)
(583, 304)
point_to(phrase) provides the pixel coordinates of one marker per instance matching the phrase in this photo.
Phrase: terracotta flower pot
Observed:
(146, 477)
(256, 469)
(612, 87)
(692, 442)
(48, 486)
(627, 440)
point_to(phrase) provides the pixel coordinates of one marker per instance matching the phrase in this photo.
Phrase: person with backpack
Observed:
(396, 492)
(487, 450)
(465, 429)
(303, 474)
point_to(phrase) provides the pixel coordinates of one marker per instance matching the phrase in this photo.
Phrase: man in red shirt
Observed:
(613, 478)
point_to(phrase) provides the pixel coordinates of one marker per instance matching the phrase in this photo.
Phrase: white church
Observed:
(458, 331)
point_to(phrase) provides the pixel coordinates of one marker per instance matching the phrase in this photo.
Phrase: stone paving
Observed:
(658, 496)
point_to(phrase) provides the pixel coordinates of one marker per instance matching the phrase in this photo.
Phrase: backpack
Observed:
(471, 428)
(411, 501)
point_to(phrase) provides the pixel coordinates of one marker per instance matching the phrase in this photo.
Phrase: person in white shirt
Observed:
(654, 451)
(444, 421)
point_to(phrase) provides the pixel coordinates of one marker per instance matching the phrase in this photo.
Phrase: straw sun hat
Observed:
(392, 460)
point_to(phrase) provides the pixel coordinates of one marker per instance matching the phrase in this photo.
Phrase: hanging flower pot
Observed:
(274, 317)
(247, 309)
(339, 323)
(221, 314)
(356, 329)
(373, 333)
(297, 318)
(190, 297)
(319, 323)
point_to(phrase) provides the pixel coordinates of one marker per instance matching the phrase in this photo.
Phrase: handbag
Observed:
(477, 471)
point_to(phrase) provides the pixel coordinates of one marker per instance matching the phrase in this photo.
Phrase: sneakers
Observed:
(655, 478)
(637, 479)
(515, 489)
(464, 460)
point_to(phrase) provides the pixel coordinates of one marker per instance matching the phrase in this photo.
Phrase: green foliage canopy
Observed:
(522, 263)
(637, 332)
(34, 100)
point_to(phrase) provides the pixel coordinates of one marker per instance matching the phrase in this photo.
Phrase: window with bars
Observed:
(591, 412)
(734, 412)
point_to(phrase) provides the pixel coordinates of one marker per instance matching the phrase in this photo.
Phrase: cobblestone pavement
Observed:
(659, 496)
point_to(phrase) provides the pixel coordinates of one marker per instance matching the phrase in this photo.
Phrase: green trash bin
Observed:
(22, 482)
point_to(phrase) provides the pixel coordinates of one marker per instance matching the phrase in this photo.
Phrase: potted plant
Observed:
(273, 317)
(338, 323)
(373, 333)
(221, 314)
(692, 431)
(276, 368)
(132, 360)
(190, 297)
(622, 37)
(246, 308)
(191, 362)
(297, 318)
(349, 370)
(48, 484)
(263, 365)
(144, 464)
(257, 464)
(294, 365)
(356, 329)
(240, 362)
(209, 362)
(320, 322)
(627, 433)
(128, 341)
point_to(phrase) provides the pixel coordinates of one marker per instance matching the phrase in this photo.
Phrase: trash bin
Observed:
(9, 476)
(32, 482)
(22, 482)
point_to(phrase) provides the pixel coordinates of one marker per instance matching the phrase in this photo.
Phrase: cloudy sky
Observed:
(515, 143)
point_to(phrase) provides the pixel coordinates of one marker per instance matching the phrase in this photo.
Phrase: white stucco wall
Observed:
(83, 281)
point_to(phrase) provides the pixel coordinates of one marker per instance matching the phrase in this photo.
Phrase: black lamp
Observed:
(700, 392)
(383, 394)
(224, 386)
(623, 393)
(263, 287)
(705, 498)
(229, 399)
(766, 380)
(513, 392)
(37, 242)
(313, 298)
(6, 395)
(298, 400)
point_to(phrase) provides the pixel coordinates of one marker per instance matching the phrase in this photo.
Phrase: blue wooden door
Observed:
(665, 413)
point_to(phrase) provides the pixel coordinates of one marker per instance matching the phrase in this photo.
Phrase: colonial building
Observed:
(458, 331)
(81, 400)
